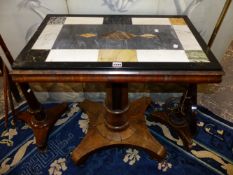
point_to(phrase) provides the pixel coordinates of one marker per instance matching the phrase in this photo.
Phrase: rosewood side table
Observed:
(118, 50)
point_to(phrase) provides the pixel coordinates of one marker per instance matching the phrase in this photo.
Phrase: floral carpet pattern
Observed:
(212, 151)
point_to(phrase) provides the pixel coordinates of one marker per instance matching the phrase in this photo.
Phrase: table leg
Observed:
(39, 119)
(117, 123)
(182, 117)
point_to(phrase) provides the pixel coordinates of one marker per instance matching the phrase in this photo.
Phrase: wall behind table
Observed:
(225, 35)
(19, 19)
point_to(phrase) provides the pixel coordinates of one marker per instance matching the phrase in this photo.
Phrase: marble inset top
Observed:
(88, 39)
(141, 42)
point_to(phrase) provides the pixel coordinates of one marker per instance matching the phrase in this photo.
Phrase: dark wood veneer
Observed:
(117, 121)
(111, 76)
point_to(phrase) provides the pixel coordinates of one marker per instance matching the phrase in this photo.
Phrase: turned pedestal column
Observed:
(117, 123)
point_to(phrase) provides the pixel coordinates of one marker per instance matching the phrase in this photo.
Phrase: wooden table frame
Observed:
(119, 130)
(116, 121)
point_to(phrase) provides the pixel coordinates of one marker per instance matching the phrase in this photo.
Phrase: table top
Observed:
(116, 43)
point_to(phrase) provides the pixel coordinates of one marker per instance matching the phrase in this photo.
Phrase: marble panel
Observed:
(162, 56)
(114, 36)
(151, 21)
(73, 55)
(197, 56)
(84, 20)
(177, 21)
(47, 37)
(186, 37)
(56, 20)
(110, 55)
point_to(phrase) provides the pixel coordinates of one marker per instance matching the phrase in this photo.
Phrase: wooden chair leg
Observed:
(14, 90)
(1, 66)
(5, 91)
(7, 94)
(13, 112)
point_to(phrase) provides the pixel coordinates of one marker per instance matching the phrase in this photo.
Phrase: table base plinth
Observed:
(182, 128)
(100, 136)
(41, 128)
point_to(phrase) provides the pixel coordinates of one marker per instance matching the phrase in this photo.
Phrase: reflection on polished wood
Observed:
(134, 133)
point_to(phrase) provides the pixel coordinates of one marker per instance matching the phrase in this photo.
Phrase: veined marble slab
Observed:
(151, 21)
(117, 55)
(73, 55)
(186, 37)
(162, 56)
(85, 39)
(84, 20)
(47, 37)
(114, 36)
(92, 55)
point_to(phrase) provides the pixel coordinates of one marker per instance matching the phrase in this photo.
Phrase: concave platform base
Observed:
(41, 128)
(136, 134)
(181, 127)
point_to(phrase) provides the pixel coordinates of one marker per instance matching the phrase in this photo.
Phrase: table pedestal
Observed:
(180, 116)
(117, 123)
(39, 119)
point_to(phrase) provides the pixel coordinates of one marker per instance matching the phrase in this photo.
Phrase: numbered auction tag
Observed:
(117, 64)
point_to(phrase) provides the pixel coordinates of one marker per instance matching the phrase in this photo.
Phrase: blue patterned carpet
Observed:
(212, 151)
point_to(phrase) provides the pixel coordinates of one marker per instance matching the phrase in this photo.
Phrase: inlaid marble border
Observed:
(196, 56)
(92, 55)
(151, 21)
(186, 37)
(162, 56)
(73, 55)
(189, 54)
(84, 20)
(47, 37)
(56, 20)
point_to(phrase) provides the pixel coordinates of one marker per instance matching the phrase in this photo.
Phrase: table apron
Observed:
(131, 78)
